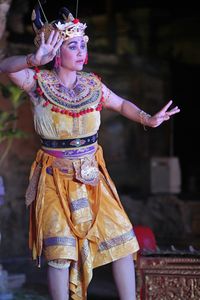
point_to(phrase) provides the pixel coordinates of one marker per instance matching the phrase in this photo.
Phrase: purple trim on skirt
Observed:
(72, 154)
(63, 241)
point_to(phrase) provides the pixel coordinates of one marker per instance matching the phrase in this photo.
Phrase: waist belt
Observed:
(69, 143)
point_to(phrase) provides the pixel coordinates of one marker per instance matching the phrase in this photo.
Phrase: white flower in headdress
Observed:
(61, 26)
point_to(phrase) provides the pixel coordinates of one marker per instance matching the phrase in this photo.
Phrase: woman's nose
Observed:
(79, 52)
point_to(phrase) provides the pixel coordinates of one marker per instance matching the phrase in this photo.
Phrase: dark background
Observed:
(162, 44)
(184, 66)
(147, 42)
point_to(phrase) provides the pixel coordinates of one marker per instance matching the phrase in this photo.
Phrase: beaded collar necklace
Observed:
(85, 97)
(70, 92)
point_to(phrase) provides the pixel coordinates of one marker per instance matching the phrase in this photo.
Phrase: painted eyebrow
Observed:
(75, 42)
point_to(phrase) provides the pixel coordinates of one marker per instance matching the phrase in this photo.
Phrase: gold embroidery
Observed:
(83, 98)
(31, 191)
(87, 170)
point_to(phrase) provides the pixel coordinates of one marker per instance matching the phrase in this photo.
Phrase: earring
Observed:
(86, 60)
(57, 62)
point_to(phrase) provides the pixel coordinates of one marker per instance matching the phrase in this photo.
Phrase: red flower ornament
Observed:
(75, 21)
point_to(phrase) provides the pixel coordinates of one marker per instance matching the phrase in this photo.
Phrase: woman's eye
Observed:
(72, 47)
(83, 46)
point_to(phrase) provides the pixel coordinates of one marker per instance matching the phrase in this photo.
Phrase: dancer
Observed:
(76, 218)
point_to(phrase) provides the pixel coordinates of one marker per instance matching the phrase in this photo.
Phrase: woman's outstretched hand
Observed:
(163, 115)
(47, 50)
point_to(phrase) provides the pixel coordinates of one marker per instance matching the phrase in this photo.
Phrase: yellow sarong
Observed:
(81, 223)
(75, 211)
(84, 224)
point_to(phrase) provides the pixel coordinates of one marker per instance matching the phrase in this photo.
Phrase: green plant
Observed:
(8, 118)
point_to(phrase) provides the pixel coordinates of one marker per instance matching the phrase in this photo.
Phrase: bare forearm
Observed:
(13, 64)
(130, 111)
(17, 63)
(134, 113)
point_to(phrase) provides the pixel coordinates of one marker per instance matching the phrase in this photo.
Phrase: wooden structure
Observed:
(168, 276)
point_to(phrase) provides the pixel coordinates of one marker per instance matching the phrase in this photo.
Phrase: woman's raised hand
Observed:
(47, 50)
(163, 115)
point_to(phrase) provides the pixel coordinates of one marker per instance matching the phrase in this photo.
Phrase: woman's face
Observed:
(73, 53)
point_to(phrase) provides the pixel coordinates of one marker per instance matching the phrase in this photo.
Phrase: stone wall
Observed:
(173, 220)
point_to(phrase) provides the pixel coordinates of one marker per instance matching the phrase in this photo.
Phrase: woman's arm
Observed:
(17, 63)
(18, 68)
(133, 112)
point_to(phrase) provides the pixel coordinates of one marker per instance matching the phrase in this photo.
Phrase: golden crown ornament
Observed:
(67, 26)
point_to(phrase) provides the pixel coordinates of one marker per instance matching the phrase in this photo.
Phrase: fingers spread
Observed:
(165, 108)
(173, 111)
(59, 43)
(49, 40)
(55, 38)
(42, 38)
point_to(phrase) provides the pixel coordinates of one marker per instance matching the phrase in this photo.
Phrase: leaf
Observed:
(6, 116)
(3, 116)
(10, 134)
(7, 120)
(15, 95)
(4, 90)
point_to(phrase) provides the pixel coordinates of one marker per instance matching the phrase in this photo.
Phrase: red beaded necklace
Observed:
(65, 111)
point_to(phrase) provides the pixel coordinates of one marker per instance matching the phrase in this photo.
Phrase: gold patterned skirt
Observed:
(83, 223)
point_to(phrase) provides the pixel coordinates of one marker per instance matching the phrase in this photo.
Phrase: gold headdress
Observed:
(67, 26)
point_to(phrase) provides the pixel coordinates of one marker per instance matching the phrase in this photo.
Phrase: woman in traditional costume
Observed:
(76, 218)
